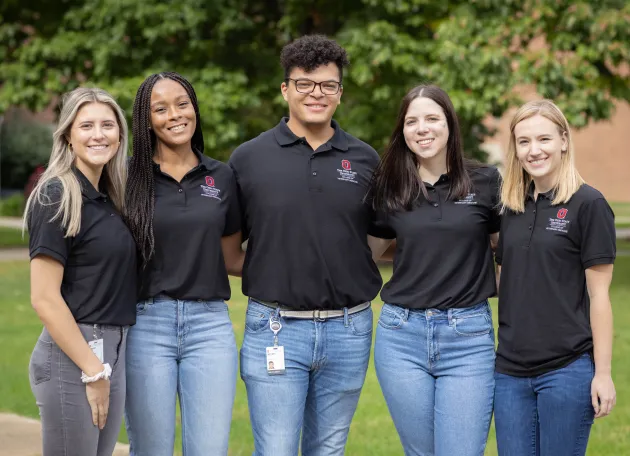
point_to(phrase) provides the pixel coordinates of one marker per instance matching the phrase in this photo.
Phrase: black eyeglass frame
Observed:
(315, 84)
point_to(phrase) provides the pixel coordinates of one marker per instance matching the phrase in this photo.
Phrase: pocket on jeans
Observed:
(390, 319)
(215, 306)
(40, 362)
(473, 325)
(361, 323)
(256, 321)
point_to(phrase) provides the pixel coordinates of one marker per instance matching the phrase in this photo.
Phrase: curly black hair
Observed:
(312, 51)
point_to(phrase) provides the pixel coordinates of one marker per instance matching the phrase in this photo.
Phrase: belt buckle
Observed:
(317, 315)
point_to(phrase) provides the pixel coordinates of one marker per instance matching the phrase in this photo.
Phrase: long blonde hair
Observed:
(516, 180)
(62, 159)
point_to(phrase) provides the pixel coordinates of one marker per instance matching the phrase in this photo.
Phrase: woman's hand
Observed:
(98, 396)
(603, 395)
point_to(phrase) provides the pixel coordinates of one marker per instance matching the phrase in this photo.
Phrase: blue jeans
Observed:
(548, 415)
(326, 362)
(184, 348)
(436, 370)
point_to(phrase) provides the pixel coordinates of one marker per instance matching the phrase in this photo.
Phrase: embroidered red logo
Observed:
(209, 181)
(562, 213)
(345, 164)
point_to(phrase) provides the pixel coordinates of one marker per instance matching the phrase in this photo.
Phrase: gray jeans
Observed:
(66, 416)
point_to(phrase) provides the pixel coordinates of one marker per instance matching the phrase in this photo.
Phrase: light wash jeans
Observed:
(184, 348)
(547, 415)
(436, 370)
(326, 362)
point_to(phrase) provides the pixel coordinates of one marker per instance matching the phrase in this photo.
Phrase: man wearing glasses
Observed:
(308, 271)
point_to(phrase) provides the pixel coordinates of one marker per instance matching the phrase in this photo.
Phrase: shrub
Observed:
(12, 206)
(24, 145)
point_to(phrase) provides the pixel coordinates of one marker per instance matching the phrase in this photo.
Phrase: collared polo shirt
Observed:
(544, 319)
(443, 258)
(99, 281)
(189, 220)
(306, 220)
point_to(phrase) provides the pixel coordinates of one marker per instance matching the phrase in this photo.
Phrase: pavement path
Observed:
(21, 436)
(11, 222)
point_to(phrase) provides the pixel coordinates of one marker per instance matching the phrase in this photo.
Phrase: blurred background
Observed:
(489, 55)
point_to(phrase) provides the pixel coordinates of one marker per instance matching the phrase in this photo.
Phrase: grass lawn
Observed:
(12, 237)
(621, 209)
(372, 430)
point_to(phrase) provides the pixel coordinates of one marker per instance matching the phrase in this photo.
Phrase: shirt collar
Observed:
(204, 161)
(549, 195)
(286, 137)
(87, 189)
(441, 180)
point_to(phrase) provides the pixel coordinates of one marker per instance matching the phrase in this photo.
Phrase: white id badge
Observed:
(275, 360)
(97, 348)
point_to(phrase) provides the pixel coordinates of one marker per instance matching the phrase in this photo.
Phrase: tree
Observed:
(478, 50)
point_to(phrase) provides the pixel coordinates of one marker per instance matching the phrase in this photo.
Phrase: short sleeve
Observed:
(233, 216)
(379, 226)
(240, 200)
(494, 185)
(598, 237)
(498, 253)
(47, 236)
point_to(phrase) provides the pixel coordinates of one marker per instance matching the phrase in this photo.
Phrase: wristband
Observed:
(106, 373)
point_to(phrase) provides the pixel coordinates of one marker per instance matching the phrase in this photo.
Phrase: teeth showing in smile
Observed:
(100, 147)
(538, 162)
(316, 106)
(425, 142)
(178, 128)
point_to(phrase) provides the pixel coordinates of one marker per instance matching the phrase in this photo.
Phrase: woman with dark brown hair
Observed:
(434, 350)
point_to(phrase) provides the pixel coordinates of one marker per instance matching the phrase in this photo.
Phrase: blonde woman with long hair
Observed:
(556, 252)
(83, 278)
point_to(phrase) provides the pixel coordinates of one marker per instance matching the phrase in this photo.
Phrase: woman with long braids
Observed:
(83, 278)
(184, 215)
(434, 348)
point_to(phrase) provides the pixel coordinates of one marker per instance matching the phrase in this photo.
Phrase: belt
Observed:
(313, 314)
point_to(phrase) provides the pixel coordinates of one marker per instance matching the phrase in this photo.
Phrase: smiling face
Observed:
(539, 149)
(94, 136)
(315, 108)
(426, 129)
(173, 117)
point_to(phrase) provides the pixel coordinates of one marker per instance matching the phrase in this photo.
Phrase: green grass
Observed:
(621, 209)
(12, 237)
(372, 431)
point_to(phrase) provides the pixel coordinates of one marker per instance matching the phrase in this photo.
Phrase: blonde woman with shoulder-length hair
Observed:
(83, 278)
(556, 253)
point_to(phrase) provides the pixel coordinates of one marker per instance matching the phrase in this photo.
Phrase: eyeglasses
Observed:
(308, 86)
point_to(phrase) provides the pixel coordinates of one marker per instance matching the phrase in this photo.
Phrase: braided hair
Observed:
(140, 194)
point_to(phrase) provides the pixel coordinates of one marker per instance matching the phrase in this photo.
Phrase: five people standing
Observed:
(316, 208)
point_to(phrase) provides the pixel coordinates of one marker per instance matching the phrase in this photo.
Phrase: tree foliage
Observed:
(575, 52)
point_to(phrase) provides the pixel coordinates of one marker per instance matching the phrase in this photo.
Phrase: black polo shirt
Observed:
(100, 273)
(189, 220)
(443, 258)
(544, 320)
(306, 220)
